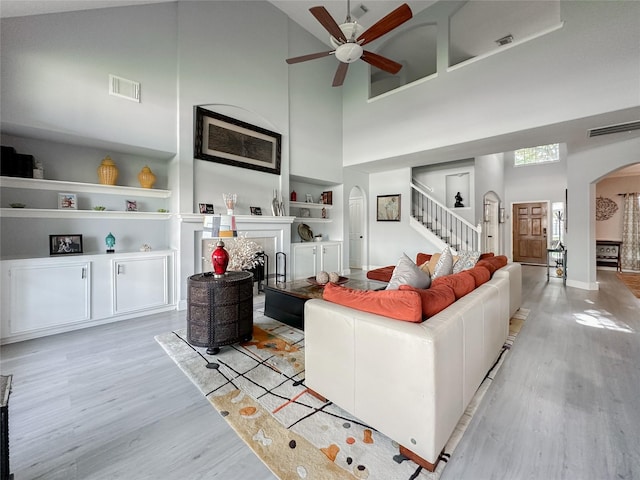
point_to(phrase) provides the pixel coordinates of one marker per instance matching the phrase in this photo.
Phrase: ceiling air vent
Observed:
(123, 88)
(619, 128)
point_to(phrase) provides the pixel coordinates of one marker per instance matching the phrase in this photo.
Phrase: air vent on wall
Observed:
(123, 88)
(619, 128)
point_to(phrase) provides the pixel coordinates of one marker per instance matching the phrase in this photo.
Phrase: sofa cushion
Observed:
(382, 274)
(480, 274)
(461, 283)
(486, 255)
(434, 299)
(488, 265)
(466, 260)
(499, 261)
(408, 273)
(397, 304)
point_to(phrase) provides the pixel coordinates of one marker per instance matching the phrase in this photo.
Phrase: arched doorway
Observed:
(357, 216)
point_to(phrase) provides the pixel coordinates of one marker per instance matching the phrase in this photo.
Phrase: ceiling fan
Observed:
(348, 39)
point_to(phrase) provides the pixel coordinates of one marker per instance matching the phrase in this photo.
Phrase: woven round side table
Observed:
(219, 310)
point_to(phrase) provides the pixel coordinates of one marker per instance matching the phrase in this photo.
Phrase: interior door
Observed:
(356, 235)
(530, 232)
(491, 231)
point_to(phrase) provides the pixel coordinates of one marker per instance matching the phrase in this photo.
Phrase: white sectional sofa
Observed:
(410, 381)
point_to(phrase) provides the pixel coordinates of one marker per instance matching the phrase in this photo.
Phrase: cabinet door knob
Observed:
(119, 269)
(84, 273)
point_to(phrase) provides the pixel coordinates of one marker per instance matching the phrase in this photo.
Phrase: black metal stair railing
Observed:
(452, 229)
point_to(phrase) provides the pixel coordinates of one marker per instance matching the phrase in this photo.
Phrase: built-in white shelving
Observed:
(79, 187)
(311, 220)
(93, 214)
(310, 205)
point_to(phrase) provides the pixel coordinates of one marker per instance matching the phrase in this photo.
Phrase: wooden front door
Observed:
(530, 233)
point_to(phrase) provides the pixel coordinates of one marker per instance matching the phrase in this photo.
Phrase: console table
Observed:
(219, 310)
(608, 253)
(559, 257)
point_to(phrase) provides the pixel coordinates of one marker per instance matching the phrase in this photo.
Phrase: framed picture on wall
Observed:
(223, 139)
(388, 208)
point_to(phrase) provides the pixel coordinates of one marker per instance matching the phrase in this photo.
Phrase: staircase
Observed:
(440, 224)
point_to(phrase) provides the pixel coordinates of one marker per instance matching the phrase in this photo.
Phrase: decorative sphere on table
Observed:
(219, 259)
(334, 277)
(322, 277)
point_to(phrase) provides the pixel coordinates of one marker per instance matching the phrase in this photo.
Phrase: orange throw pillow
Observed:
(461, 283)
(422, 258)
(486, 255)
(394, 304)
(434, 299)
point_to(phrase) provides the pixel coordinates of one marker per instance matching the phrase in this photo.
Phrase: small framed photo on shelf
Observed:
(206, 208)
(65, 244)
(309, 198)
(255, 210)
(132, 205)
(67, 201)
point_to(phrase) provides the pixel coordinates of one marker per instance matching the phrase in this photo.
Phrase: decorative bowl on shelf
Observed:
(306, 234)
(17, 205)
(163, 210)
(99, 208)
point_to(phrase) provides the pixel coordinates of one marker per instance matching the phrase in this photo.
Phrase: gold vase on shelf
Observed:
(146, 177)
(107, 171)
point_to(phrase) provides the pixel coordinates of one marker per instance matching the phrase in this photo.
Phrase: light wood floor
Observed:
(108, 403)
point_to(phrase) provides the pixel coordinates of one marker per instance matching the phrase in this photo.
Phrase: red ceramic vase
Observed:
(219, 259)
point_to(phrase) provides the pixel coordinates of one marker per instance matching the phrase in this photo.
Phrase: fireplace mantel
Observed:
(253, 226)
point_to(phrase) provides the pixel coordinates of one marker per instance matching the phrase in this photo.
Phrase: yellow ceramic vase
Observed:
(146, 177)
(107, 172)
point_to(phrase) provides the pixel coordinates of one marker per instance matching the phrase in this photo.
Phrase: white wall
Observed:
(586, 168)
(55, 74)
(388, 240)
(446, 183)
(315, 110)
(249, 82)
(587, 67)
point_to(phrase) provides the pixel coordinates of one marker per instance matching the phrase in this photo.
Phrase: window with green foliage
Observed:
(539, 154)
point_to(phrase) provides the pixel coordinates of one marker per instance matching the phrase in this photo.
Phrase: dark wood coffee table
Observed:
(285, 301)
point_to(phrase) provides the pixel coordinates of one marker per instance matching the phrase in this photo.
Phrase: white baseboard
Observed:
(583, 285)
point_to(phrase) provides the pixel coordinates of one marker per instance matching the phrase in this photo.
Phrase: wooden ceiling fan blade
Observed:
(311, 56)
(341, 73)
(327, 21)
(383, 63)
(386, 24)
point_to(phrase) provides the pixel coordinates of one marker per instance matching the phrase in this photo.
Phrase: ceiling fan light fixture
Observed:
(350, 30)
(348, 52)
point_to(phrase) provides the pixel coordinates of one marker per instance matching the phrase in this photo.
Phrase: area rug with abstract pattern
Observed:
(258, 387)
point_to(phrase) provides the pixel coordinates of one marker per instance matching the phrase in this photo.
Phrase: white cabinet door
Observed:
(311, 258)
(304, 260)
(331, 257)
(140, 283)
(49, 295)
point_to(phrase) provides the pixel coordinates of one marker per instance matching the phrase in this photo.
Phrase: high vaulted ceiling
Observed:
(297, 10)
